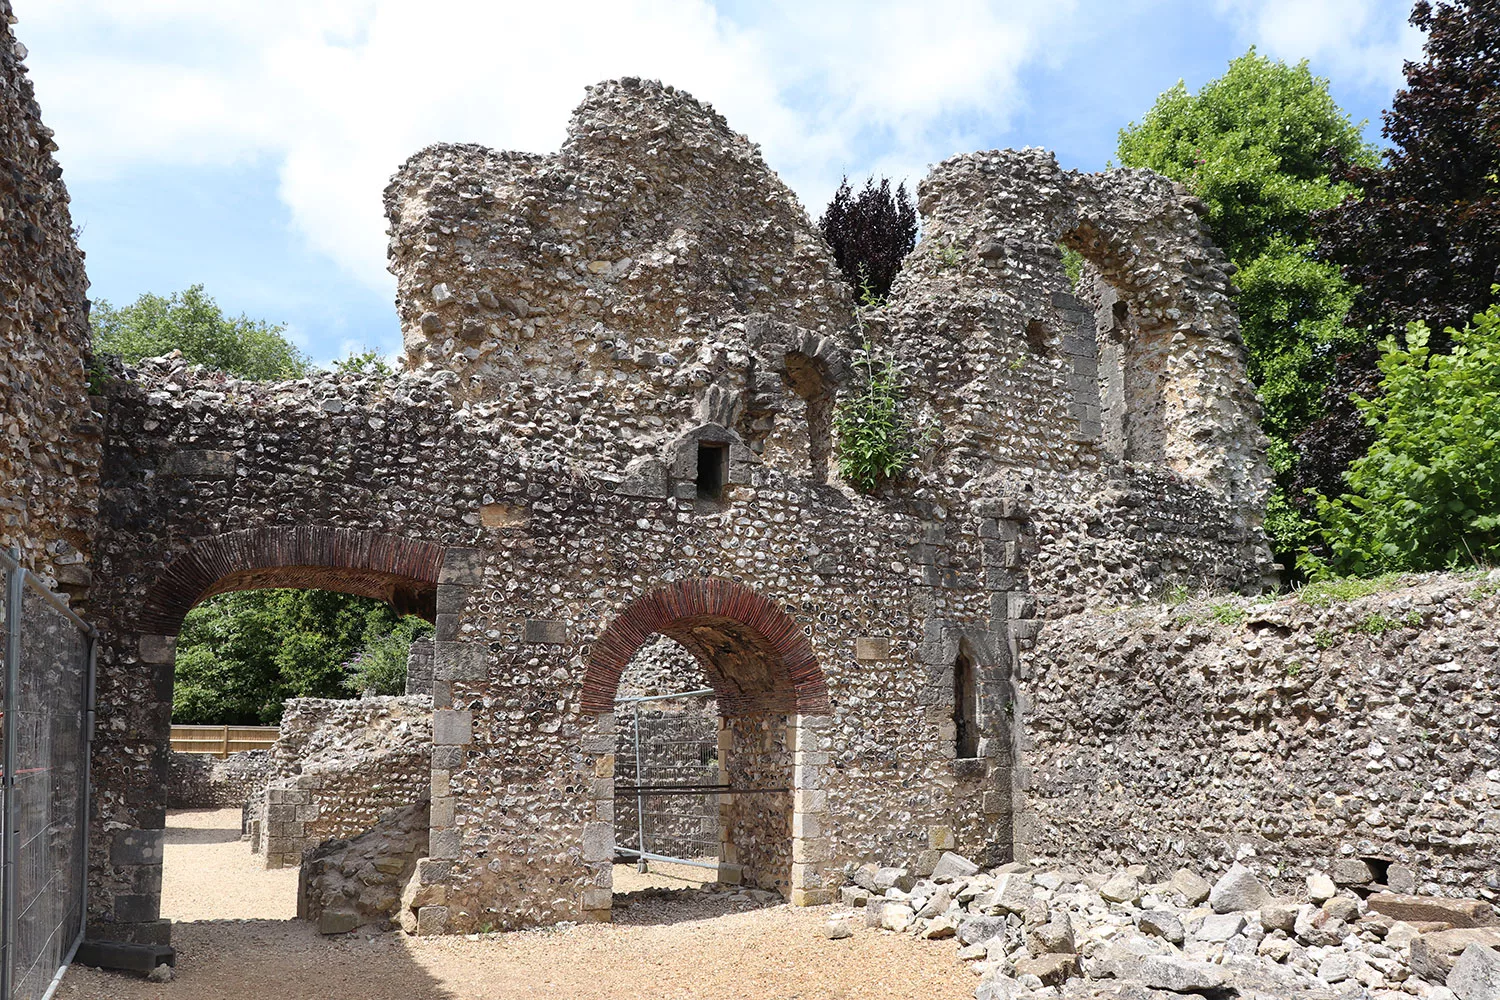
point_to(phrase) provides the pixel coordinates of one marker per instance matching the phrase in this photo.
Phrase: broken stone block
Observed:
(1476, 974)
(1162, 923)
(1238, 889)
(1434, 954)
(953, 866)
(1121, 888)
(838, 928)
(1190, 886)
(1052, 970)
(1351, 871)
(1412, 909)
(1320, 887)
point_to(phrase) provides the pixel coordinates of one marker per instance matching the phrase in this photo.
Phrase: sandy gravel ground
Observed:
(666, 944)
(208, 873)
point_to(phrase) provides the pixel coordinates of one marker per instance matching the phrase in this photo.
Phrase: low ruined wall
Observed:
(202, 781)
(1203, 732)
(758, 823)
(352, 764)
(347, 884)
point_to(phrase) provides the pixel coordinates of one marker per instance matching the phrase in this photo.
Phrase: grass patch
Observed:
(1322, 593)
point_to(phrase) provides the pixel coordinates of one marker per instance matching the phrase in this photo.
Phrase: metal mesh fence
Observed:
(668, 743)
(46, 695)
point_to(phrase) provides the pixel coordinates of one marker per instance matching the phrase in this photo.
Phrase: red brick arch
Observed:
(389, 567)
(725, 625)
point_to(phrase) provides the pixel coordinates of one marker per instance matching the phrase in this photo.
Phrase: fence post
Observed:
(225, 754)
(15, 581)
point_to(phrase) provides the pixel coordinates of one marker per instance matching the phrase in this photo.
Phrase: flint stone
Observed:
(1320, 887)
(1476, 974)
(977, 930)
(1189, 886)
(1220, 927)
(1052, 970)
(1121, 888)
(1412, 909)
(953, 866)
(1351, 871)
(1238, 889)
(1279, 915)
(1433, 955)
(1162, 923)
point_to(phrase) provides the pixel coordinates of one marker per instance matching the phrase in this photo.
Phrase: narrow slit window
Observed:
(965, 708)
(713, 461)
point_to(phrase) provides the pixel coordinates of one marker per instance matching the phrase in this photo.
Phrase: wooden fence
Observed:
(222, 740)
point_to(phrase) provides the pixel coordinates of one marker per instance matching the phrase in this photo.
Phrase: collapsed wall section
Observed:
(49, 432)
(1200, 734)
(343, 766)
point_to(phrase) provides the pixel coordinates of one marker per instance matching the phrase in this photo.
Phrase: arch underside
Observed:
(399, 570)
(753, 654)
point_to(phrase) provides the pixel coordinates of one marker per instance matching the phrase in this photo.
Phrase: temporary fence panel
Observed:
(223, 740)
(667, 781)
(46, 726)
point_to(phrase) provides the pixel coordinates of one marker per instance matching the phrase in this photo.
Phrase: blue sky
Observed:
(244, 144)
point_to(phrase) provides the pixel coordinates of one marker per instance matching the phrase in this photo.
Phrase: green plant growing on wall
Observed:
(876, 439)
(1073, 264)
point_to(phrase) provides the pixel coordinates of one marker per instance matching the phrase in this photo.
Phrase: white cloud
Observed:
(338, 92)
(1358, 40)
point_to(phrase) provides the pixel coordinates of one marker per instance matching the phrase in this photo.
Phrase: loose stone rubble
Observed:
(1035, 931)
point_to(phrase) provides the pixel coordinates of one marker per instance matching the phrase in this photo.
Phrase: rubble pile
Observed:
(1034, 932)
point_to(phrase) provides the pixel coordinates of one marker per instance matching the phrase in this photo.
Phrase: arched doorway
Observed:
(131, 762)
(773, 705)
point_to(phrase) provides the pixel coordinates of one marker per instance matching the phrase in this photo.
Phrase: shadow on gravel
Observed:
(200, 835)
(269, 960)
(655, 906)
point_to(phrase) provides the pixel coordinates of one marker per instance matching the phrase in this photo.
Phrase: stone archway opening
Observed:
(769, 692)
(408, 575)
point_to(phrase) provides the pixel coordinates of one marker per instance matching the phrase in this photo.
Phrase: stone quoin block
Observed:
(539, 630)
(459, 661)
(452, 727)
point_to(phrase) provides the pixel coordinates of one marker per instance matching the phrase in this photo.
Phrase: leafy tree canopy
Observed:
(1423, 244)
(193, 323)
(1427, 493)
(1259, 146)
(240, 655)
(870, 233)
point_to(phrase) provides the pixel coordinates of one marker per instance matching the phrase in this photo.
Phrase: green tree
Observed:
(240, 655)
(1258, 146)
(193, 323)
(1427, 493)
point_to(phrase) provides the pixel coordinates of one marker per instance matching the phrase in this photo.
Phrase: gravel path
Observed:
(665, 945)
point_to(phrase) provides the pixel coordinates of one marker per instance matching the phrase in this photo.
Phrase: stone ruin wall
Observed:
(194, 471)
(49, 448)
(615, 296)
(203, 781)
(1309, 737)
(340, 768)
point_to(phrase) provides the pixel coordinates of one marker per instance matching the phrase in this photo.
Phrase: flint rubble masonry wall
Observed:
(1309, 736)
(49, 432)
